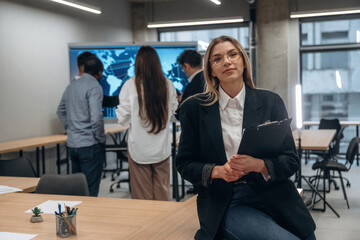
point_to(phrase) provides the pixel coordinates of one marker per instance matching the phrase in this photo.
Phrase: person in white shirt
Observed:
(240, 196)
(146, 103)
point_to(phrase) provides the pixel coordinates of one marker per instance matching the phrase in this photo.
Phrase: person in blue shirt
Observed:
(80, 111)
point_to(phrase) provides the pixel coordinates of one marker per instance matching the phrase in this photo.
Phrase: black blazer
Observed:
(197, 85)
(201, 143)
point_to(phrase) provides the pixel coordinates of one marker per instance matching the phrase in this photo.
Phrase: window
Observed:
(240, 33)
(330, 74)
(330, 32)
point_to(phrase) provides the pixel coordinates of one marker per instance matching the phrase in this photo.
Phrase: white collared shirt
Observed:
(231, 115)
(144, 147)
(193, 75)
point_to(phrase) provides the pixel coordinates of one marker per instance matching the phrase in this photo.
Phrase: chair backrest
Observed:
(119, 148)
(17, 167)
(72, 184)
(352, 150)
(335, 149)
(331, 124)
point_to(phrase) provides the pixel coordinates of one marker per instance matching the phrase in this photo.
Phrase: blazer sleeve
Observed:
(287, 163)
(188, 159)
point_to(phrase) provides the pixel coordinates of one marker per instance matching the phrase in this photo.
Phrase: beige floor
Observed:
(329, 226)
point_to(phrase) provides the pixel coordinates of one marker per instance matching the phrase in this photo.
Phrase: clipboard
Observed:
(264, 140)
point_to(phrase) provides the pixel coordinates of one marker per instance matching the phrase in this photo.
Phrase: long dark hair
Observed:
(152, 89)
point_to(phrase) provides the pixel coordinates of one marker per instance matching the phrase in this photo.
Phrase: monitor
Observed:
(119, 64)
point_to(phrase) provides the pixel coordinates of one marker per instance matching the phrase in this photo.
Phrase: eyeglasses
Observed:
(232, 56)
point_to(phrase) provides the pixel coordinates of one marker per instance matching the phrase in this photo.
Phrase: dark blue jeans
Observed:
(89, 160)
(245, 219)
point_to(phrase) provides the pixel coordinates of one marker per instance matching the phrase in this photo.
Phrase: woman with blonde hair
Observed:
(240, 196)
(147, 102)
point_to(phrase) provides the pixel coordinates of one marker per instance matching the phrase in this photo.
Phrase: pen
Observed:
(70, 225)
(68, 210)
(74, 213)
(59, 206)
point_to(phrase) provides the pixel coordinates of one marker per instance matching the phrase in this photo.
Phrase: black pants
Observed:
(90, 161)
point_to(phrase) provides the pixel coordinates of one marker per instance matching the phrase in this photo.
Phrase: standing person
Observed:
(80, 112)
(108, 101)
(147, 102)
(191, 63)
(240, 197)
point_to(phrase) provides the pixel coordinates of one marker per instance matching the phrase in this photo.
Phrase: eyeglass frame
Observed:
(227, 56)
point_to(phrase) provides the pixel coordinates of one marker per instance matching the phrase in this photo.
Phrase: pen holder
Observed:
(65, 226)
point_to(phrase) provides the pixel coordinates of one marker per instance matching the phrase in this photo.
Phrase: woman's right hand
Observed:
(226, 172)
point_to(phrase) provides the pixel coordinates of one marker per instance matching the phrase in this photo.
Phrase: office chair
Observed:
(120, 149)
(17, 167)
(333, 150)
(335, 144)
(339, 167)
(121, 157)
(72, 184)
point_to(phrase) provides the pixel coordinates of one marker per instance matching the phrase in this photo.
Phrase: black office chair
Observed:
(17, 167)
(72, 184)
(119, 147)
(330, 165)
(334, 149)
(121, 158)
(335, 143)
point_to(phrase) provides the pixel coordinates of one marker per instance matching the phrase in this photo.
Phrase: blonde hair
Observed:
(212, 83)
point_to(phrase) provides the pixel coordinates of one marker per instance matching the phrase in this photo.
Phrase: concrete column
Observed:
(272, 46)
(140, 16)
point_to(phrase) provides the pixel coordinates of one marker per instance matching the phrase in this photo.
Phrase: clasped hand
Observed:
(237, 167)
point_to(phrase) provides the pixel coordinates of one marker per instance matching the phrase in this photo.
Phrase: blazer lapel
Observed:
(252, 109)
(211, 119)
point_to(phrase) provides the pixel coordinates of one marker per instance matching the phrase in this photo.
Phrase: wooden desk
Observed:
(27, 184)
(104, 218)
(180, 224)
(314, 140)
(307, 124)
(114, 128)
(37, 142)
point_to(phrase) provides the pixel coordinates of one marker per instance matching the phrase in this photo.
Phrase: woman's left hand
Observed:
(247, 164)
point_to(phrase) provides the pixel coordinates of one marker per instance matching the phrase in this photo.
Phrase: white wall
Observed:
(34, 64)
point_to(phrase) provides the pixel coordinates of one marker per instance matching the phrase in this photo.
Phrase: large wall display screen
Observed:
(119, 65)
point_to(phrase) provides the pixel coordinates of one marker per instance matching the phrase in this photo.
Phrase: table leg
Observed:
(67, 160)
(299, 172)
(321, 197)
(58, 158)
(174, 172)
(21, 153)
(43, 159)
(38, 161)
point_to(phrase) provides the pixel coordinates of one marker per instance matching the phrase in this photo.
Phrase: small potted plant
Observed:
(36, 217)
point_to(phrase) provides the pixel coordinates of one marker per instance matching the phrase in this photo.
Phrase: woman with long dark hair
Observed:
(240, 196)
(147, 102)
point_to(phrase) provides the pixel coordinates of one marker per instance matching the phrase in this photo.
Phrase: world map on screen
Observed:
(119, 66)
